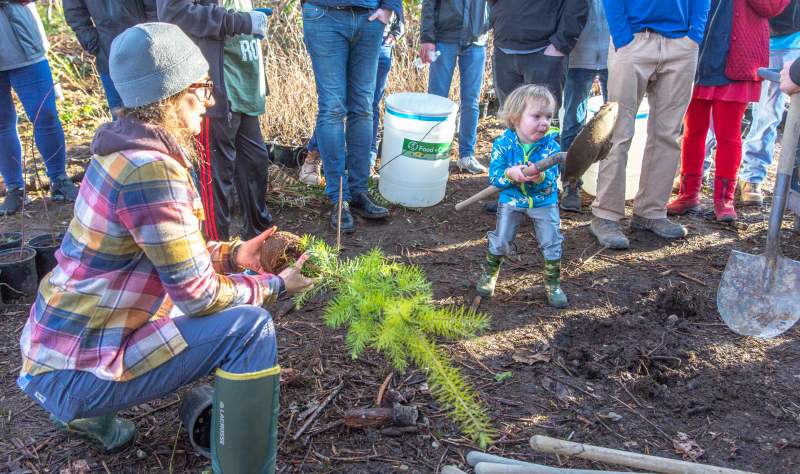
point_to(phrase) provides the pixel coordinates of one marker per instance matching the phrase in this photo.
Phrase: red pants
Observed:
(728, 129)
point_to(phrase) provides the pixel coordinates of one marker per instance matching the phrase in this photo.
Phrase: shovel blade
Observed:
(756, 302)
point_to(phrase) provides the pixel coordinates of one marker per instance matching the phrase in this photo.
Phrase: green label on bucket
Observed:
(426, 151)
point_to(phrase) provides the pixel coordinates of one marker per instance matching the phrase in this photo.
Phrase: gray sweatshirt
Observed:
(591, 51)
(20, 36)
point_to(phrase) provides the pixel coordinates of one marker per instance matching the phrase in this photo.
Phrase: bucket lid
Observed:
(422, 104)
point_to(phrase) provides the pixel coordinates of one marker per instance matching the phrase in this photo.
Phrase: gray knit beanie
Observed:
(152, 61)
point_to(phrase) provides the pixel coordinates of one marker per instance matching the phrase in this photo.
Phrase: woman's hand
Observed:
(787, 84)
(293, 279)
(248, 256)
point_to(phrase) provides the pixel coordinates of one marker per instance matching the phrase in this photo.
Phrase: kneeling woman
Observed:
(98, 339)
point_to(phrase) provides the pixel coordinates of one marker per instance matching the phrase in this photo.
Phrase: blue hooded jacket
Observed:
(507, 152)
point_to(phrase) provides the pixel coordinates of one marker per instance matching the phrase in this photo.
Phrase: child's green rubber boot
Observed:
(107, 432)
(552, 284)
(488, 280)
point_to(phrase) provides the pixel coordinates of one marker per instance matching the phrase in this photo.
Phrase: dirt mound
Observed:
(679, 300)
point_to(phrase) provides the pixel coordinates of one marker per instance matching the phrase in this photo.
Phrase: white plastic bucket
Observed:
(418, 131)
(633, 168)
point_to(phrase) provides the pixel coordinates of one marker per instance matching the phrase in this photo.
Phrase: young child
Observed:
(525, 191)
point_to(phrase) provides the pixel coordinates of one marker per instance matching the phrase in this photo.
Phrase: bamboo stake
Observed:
(339, 220)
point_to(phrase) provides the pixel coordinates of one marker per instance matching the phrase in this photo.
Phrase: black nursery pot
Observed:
(45, 247)
(10, 240)
(283, 155)
(17, 273)
(195, 413)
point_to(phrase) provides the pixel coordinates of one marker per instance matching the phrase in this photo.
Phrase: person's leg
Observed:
(576, 96)
(602, 76)
(112, 96)
(695, 130)
(10, 146)
(668, 95)
(550, 71)
(727, 127)
(328, 44)
(238, 340)
(507, 75)
(362, 67)
(222, 154)
(508, 220)
(251, 173)
(35, 89)
(547, 227)
(384, 66)
(471, 63)
(440, 76)
(205, 182)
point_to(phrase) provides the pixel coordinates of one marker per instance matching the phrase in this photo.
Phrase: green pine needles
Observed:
(388, 306)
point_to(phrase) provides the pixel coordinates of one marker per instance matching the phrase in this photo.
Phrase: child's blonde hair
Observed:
(515, 103)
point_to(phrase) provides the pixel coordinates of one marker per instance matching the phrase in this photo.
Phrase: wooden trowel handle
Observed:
(541, 165)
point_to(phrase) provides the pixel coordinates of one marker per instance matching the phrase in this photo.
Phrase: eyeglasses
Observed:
(202, 90)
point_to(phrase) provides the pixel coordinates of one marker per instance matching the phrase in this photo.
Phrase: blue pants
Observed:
(238, 340)
(34, 87)
(344, 47)
(112, 96)
(546, 225)
(759, 144)
(471, 60)
(576, 97)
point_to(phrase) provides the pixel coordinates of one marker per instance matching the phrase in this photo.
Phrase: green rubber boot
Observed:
(107, 432)
(244, 422)
(552, 284)
(488, 280)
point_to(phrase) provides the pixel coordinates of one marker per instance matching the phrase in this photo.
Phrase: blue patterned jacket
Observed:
(507, 152)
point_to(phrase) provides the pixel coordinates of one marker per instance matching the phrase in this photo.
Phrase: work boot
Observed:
(310, 170)
(244, 421)
(63, 190)
(724, 191)
(663, 227)
(608, 234)
(348, 224)
(15, 197)
(552, 284)
(688, 199)
(107, 432)
(366, 207)
(750, 194)
(488, 280)
(470, 165)
(571, 197)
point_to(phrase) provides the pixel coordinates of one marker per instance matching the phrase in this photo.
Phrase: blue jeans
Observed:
(471, 60)
(576, 97)
(34, 87)
(344, 47)
(384, 65)
(546, 225)
(767, 114)
(112, 96)
(238, 340)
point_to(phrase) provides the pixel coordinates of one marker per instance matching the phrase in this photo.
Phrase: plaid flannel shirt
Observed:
(134, 241)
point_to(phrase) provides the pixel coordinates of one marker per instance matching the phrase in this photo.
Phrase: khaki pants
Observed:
(664, 68)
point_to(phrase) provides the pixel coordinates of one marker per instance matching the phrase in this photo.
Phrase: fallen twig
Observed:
(311, 419)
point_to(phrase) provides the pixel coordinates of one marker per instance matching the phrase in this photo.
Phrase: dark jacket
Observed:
(526, 24)
(21, 42)
(787, 22)
(209, 25)
(97, 22)
(453, 21)
(716, 43)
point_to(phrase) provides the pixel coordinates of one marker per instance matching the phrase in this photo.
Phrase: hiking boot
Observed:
(348, 224)
(688, 199)
(608, 234)
(750, 194)
(366, 207)
(310, 170)
(663, 227)
(470, 165)
(15, 198)
(724, 191)
(107, 432)
(552, 284)
(488, 279)
(571, 197)
(63, 190)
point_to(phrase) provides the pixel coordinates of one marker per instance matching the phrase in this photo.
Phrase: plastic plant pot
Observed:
(45, 247)
(195, 413)
(10, 240)
(18, 277)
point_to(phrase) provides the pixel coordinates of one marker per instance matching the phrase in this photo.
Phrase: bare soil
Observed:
(639, 361)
